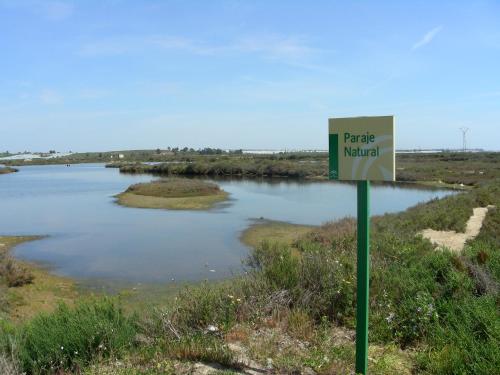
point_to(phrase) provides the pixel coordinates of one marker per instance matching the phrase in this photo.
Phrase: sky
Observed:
(113, 75)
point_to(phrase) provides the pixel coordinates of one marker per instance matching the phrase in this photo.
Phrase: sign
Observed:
(362, 148)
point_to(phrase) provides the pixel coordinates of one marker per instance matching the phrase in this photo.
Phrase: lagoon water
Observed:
(91, 237)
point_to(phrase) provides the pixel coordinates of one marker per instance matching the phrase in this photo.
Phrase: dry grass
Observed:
(15, 274)
(389, 359)
(330, 231)
(300, 325)
(175, 188)
(274, 231)
(7, 170)
(8, 366)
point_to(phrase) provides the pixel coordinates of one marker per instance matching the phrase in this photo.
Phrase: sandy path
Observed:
(456, 241)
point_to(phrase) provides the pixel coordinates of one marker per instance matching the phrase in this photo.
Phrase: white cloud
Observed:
(182, 44)
(427, 38)
(133, 44)
(48, 96)
(54, 10)
(91, 93)
(274, 46)
(57, 10)
(286, 48)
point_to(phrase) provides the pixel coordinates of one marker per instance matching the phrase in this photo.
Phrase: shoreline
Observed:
(178, 203)
(275, 231)
(42, 294)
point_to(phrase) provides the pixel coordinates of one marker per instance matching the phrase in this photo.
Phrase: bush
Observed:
(414, 318)
(14, 274)
(247, 166)
(197, 308)
(467, 339)
(327, 282)
(279, 267)
(406, 292)
(318, 280)
(70, 337)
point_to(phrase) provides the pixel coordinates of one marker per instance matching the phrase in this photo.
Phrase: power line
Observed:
(464, 139)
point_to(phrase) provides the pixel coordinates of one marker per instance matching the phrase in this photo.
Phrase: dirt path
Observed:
(456, 241)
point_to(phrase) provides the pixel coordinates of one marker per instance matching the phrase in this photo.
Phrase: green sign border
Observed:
(333, 157)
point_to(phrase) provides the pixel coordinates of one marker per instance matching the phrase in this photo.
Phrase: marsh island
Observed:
(173, 194)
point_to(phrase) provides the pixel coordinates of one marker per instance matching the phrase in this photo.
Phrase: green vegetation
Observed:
(431, 311)
(438, 169)
(449, 168)
(232, 166)
(173, 193)
(175, 188)
(70, 338)
(445, 169)
(157, 155)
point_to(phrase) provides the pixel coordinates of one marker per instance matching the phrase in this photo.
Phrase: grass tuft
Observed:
(69, 338)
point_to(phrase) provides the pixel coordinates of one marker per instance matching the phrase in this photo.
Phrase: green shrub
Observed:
(415, 316)
(279, 267)
(327, 283)
(198, 307)
(467, 339)
(250, 166)
(318, 279)
(483, 256)
(407, 292)
(449, 213)
(70, 337)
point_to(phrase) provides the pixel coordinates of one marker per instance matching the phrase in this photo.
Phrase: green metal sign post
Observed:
(363, 282)
(362, 149)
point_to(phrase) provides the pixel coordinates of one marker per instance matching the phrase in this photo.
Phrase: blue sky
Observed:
(101, 75)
